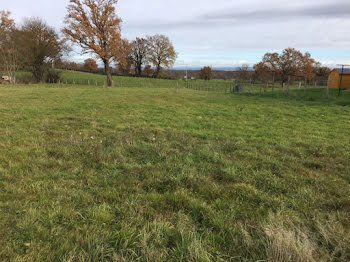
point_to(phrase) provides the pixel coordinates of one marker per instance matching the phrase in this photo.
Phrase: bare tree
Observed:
(139, 54)
(161, 52)
(243, 72)
(8, 45)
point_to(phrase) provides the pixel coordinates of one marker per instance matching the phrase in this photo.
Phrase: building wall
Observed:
(335, 80)
(346, 81)
(334, 83)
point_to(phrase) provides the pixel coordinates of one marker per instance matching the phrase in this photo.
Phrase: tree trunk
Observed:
(157, 71)
(139, 70)
(108, 73)
(305, 82)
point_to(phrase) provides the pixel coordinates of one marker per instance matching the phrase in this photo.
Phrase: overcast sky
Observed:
(223, 32)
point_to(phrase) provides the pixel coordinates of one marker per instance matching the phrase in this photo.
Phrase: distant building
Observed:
(335, 77)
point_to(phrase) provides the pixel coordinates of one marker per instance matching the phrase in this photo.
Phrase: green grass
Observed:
(124, 81)
(151, 174)
(217, 85)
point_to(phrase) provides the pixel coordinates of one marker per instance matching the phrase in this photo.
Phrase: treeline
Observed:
(32, 47)
(95, 27)
(290, 65)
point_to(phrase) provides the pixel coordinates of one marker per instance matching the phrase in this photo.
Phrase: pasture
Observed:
(158, 174)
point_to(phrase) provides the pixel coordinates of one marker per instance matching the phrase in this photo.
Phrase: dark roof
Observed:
(346, 71)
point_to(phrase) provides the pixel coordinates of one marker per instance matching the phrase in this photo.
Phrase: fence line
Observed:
(252, 87)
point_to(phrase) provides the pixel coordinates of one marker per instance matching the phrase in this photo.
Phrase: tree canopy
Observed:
(95, 26)
(161, 52)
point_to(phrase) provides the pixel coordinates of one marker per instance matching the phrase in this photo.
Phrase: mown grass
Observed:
(151, 174)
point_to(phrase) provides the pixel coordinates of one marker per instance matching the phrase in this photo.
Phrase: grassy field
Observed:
(217, 85)
(127, 81)
(151, 174)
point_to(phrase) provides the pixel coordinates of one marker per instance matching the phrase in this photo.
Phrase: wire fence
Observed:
(316, 89)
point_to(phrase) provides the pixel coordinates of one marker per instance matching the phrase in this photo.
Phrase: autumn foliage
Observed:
(90, 65)
(290, 63)
(95, 26)
(206, 73)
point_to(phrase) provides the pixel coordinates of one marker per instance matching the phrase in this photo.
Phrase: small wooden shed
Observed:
(335, 77)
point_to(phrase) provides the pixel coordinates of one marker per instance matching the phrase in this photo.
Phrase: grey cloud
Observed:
(220, 31)
(335, 10)
(338, 9)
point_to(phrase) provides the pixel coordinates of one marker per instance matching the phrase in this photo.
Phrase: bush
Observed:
(53, 76)
(25, 78)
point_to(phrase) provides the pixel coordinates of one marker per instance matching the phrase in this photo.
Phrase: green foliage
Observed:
(151, 174)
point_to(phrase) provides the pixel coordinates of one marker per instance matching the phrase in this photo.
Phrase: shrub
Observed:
(25, 78)
(53, 76)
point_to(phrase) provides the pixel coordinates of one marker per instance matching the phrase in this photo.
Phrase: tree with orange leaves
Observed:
(286, 64)
(206, 73)
(262, 72)
(124, 60)
(95, 26)
(90, 65)
(306, 68)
